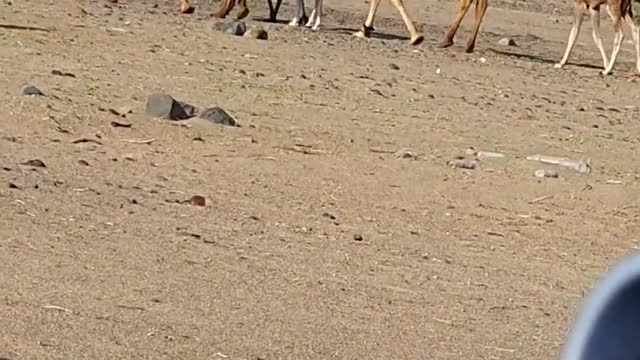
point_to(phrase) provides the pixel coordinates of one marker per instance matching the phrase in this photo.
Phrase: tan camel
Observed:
(618, 10)
(416, 38)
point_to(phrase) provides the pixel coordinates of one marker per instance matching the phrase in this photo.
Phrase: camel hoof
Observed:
(186, 9)
(364, 32)
(558, 65)
(416, 40)
(243, 12)
(445, 43)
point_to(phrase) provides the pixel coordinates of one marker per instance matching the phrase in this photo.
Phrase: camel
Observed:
(618, 10)
(417, 38)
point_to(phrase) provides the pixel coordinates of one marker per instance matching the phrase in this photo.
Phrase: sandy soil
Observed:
(317, 241)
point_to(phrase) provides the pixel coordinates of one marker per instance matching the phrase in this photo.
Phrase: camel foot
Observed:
(187, 9)
(243, 12)
(416, 40)
(445, 43)
(364, 32)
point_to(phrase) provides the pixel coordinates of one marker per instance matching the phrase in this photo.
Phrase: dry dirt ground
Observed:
(317, 241)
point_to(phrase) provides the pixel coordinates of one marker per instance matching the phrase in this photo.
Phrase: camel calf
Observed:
(618, 10)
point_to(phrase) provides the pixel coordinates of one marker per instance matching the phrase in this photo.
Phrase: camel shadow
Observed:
(374, 35)
(22, 27)
(537, 58)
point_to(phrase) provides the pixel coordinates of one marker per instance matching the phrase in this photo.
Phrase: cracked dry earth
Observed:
(317, 241)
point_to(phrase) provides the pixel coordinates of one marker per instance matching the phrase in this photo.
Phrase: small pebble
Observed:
(542, 173)
(31, 90)
(357, 237)
(505, 41)
(463, 164)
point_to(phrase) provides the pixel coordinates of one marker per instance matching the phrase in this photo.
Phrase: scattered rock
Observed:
(35, 163)
(122, 112)
(32, 91)
(462, 164)
(542, 173)
(257, 33)
(357, 237)
(119, 124)
(580, 166)
(86, 140)
(393, 66)
(406, 154)
(237, 28)
(189, 109)
(328, 215)
(62, 73)
(218, 116)
(14, 186)
(505, 41)
(83, 162)
(484, 155)
(165, 107)
(197, 200)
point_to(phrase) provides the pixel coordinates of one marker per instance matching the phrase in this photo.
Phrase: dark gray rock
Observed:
(234, 28)
(218, 116)
(166, 107)
(189, 109)
(32, 91)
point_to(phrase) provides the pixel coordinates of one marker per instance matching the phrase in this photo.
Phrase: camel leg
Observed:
(367, 28)
(617, 42)
(300, 17)
(185, 7)
(481, 9)
(463, 7)
(416, 38)
(635, 33)
(597, 39)
(573, 35)
(225, 8)
(243, 10)
(316, 15)
(273, 11)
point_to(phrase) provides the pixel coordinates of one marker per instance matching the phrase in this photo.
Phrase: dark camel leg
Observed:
(273, 11)
(481, 9)
(463, 7)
